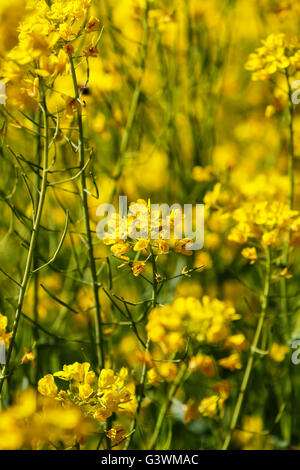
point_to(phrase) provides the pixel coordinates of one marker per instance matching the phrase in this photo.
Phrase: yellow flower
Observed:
(222, 388)
(153, 377)
(11, 436)
(262, 220)
(217, 332)
(278, 352)
(69, 49)
(90, 51)
(92, 24)
(205, 364)
(168, 371)
(156, 332)
(77, 372)
(36, 422)
(211, 197)
(5, 337)
(47, 386)
(190, 412)
(53, 64)
(66, 32)
(117, 433)
(174, 341)
(270, 111)
(202, 258)
(28, 356)
(141, 245)
(161, 246)
(250, 437)
(106, 378)
(202, 174)
(139, 267)
(269, 238)
(273, 56)
(181, 246)
(114, 394)
(120, 248)
(85, 391)
(250, 253)
(206, 320)
(101, 414)
(231, 362)
(211, 407)
(237, 342)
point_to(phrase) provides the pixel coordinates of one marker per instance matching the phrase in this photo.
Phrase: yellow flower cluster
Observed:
(153, 226)
(266, 221)
(207, 320)
(36, 422)
(212, 406)
(98, 398)
(278, 352)
(250, 253)
(117, 433)
(46, 38)
(276, 54)
(251, 435)
(162, 372)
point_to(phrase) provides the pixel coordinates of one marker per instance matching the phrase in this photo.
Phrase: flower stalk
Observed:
(84, 199)
(166, 406)
(253, 351)
(32, 245)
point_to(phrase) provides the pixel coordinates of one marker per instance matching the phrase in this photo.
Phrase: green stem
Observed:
(286, 250)
(84, 198)
(285, 255)
(165, 408)
(154, 280)
(253, 350)
(32, 245)
(139, 400)
(35, 256)
(292, 147)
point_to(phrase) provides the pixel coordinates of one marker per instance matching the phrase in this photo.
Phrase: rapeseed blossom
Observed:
(276, 54)
(137, 341)
(97, 397)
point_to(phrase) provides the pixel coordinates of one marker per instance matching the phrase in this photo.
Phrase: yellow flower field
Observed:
(178, 114)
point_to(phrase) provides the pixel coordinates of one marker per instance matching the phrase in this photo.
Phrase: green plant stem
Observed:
(35, 256)
(253, 350)
(285, 255)
(286, 249)
(154, 279)
(32, 244)
(84, 198)
(291, 160)
(139, 400)
(292, 147)
(165, 408)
